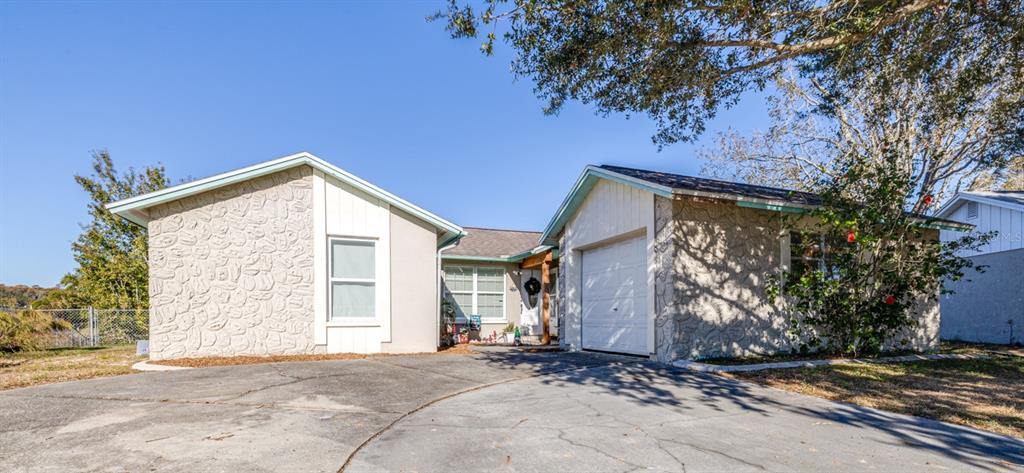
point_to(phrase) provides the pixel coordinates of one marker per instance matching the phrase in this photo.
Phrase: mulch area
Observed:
(252, 360)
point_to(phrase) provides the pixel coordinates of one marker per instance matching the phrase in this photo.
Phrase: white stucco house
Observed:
(988, 307)
(296, 256)
(289, 256)
(673, 267)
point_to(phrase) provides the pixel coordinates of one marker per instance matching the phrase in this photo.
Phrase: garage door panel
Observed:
(614, 297)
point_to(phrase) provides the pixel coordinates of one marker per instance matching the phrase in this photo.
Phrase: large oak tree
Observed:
(681, 61)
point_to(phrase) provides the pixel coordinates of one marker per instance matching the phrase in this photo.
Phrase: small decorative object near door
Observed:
(510, 333)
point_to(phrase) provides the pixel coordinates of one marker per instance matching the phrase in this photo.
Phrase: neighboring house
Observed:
(485, 275)
(988, 307)
(674, 267)
(289, 256)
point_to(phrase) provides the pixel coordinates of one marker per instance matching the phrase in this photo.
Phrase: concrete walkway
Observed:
(540, 411)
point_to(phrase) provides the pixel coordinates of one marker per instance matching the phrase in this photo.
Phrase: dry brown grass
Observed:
(983, 393)
(18, 370)
(253, 360)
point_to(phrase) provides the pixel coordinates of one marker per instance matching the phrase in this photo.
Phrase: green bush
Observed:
(28, 330)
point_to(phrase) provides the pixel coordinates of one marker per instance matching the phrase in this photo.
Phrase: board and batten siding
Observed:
(346, 212)
(611, 212)
(1008, 222)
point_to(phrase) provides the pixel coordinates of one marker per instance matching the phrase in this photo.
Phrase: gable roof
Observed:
(679, 183)
(1008, 199)
(669, 185)
(133, 208)
(489, 244)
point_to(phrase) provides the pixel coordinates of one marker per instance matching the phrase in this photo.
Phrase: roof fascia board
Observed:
(175, 192)
(924, 223)
(977, 198)
(583, 186)
(768, 205)
(122, 207)
(492, 259)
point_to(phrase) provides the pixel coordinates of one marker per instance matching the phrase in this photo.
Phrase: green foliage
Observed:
(111, 252)
(27, 330)
(681, 61)
(876, 263)
(21, 296)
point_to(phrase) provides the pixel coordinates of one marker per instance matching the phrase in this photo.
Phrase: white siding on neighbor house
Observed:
(611, 212)
(347, 212)
(1008, 222)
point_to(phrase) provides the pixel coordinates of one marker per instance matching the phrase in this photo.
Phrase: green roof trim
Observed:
(591, 174)
(801, 210)
(133, 209)
(517, 258)
(772, 207)
(491, 259)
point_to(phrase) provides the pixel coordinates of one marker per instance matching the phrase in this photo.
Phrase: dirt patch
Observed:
(981, 393)
(253, 360)
(947, 348)
(22, 369)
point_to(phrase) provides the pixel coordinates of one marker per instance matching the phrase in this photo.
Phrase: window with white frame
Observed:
(477, 291)
(353, 279)
(811, 252)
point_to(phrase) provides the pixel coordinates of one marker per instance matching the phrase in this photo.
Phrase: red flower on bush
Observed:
(890, 300)
(851, 237)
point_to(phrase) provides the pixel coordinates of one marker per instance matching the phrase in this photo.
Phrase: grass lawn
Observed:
(984, 393)
(23, 369)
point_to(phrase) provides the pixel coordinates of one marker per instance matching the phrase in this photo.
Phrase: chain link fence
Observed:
(90, 327)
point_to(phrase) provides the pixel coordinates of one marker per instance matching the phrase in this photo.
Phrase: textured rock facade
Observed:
(231, 270)
(712, 261)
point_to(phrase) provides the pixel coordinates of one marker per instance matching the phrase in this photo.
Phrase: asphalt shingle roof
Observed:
(679, 181)
(494, 243)
(700, 184)
(1013, 197)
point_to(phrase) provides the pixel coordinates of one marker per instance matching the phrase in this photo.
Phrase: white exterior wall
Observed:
(343, 211)
(231, 270)
(1008, 222)
(610, 212)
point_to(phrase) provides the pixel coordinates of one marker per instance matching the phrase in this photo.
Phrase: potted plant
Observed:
(510, 332)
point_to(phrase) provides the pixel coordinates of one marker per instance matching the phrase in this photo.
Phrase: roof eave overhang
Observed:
(516, 258)
(133, 209)
(946, 209)
(582, 187)
(590, 175)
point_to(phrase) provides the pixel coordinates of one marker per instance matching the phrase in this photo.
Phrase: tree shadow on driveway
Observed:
(649, 383)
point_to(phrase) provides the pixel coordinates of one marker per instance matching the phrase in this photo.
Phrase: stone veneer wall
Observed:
(231, 270)
(712, 260)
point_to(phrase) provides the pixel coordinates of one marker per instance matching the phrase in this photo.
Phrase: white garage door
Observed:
(614, 297)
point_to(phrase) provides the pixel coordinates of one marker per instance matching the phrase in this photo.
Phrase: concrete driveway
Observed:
(490, 411)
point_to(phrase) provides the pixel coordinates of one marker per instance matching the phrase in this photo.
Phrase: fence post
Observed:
(92, 327)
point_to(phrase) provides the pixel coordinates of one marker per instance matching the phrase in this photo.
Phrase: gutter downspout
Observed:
(437, 287)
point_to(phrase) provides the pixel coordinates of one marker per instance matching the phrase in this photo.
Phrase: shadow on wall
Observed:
(720, 259)
(721, 256)
(649, 383)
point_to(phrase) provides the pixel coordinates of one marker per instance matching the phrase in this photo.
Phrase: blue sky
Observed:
(206, 88)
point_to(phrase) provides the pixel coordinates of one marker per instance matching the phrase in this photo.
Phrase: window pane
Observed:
(490, 306)
(490, 280)
(350, 299)
(463, 304)
(352, 259)
(458, 278)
